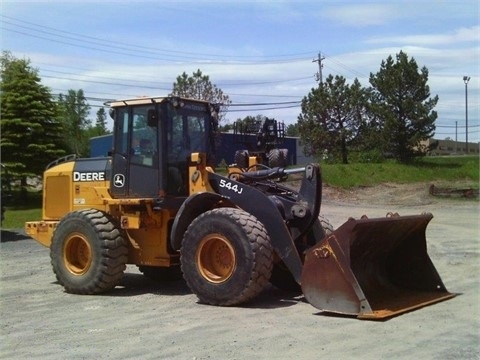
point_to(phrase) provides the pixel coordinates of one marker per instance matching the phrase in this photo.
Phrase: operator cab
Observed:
(153, 142)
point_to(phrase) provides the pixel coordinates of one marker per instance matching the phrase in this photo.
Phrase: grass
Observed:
(15, 219)
(21, 208)
(464, 169)
(444, 169)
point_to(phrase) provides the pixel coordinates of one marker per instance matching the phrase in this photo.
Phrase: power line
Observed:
(263, 109)
(108, 43)
(453, 127)
(273, 103)
(224, 83)
(151, 84)
(342, 65)
(66, 37)
(108, 83)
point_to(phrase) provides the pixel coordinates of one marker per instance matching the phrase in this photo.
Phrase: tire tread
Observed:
(112, 250)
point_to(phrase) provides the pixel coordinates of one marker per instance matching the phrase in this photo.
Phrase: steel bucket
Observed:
(373, 268)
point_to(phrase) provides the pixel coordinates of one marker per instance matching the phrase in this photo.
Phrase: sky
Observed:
(259, 53)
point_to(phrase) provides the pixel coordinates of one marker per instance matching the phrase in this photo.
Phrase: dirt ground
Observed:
(143, 319)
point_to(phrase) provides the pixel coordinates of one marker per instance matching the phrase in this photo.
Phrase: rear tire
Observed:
(226, 257)
(277, 157)
(88, 252)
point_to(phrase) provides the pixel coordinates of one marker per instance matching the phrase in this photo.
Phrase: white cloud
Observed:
(360, 15)
(457, 36)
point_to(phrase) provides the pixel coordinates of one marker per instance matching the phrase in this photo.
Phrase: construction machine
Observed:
(163, 207)
(261, 139)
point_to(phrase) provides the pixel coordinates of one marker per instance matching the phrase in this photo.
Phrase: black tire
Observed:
(277, 157)
(226, 257)
(88, 252)
(172, 273)
(281, 277)
(241, 158)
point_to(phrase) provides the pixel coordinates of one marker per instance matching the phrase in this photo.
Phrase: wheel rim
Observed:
(77, 254)
(216, 258)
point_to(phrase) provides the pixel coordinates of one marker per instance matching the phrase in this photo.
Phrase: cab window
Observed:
(144, 140)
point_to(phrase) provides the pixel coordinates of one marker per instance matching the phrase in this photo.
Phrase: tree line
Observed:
(337, 119)
(388, 118)
(38, 127)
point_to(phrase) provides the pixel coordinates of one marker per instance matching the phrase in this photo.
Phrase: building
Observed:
(227, 145)
(449, 147)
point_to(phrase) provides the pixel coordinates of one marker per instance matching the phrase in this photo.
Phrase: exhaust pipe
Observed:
(373, 268)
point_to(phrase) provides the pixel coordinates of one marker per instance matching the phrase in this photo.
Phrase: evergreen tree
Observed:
(332, 116)
(100, 127)
(74, 111)
(31, 135)
(199, 87)
(402, 104)
(101, 122)
(292, 130)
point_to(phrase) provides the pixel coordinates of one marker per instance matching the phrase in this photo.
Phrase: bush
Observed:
(371, 156)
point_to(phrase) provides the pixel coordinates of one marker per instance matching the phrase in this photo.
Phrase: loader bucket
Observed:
(373, 268)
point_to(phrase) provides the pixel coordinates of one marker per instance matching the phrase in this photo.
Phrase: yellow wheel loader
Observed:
(157, 202)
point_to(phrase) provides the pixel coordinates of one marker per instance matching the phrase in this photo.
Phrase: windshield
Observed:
(187, 126)
(187, 131)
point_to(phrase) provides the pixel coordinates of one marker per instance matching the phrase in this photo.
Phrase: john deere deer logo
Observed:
(119, 180)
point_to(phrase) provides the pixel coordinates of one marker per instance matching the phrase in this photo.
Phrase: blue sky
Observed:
(255, 51)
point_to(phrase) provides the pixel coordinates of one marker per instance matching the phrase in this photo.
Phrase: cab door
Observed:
(119, 181)
(135, 168)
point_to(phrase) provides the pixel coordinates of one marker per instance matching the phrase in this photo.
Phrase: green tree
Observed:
(402, 103)
(249, 124)
(198, 86)
(332, 116)
(226, 127)
(74, 111)
(100, 127)
(101, 122)
(31, 135)
(292, 130)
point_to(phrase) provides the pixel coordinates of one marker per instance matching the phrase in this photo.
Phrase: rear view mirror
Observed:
(152, 118)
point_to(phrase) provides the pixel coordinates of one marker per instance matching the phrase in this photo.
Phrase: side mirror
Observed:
(152, 118)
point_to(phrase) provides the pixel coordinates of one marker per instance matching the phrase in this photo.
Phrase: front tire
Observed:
(88, 252)
(226, 257)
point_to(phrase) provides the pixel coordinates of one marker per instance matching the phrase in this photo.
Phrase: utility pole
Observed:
(456, 127)
(466, 79)
(318, 75)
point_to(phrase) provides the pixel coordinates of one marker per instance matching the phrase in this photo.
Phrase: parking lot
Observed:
(151, 320)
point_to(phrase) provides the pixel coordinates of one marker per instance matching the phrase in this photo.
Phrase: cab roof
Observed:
(145, 100)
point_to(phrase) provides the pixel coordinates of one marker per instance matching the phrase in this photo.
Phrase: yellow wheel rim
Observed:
(215, 258)
(77, 254)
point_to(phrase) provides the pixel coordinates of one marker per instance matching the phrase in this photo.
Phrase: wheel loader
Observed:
(157, 202)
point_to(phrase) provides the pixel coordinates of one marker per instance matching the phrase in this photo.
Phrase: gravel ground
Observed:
(149, 320)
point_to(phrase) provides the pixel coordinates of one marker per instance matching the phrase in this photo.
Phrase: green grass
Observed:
(21, 209)
(464, 169)
(444, 169)
(16, 218)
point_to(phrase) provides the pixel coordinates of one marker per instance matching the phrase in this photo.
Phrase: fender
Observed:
(266, 211)
(192, 207)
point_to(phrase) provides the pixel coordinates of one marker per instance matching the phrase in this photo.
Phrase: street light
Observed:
(466, 79)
